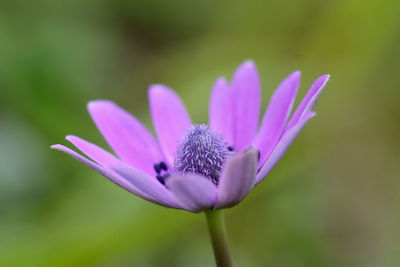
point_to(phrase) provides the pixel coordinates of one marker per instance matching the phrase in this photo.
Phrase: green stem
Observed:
(216, 228)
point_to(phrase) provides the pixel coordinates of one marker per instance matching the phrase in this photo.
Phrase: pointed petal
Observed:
(170, 118)
(129, 139)
(94, 152)
(246, 97)
(221, 109)
(309, 101)
(150, 185)
(110, 175)
(237, 178)
(276, 115)
(282, 146)
(194, 192)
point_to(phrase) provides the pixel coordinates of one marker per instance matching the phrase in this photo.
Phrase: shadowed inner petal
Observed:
(201, 151)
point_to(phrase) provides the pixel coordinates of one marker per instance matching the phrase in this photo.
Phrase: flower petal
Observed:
(130, 140)
(102, 157)
(194, 192)
(309, 100)
(110, 175)
(246, 98)
(276, 115)
(237, 178)
(170, 118)
(94, 152)
(282, 146)
(147, 184)
(221, 109)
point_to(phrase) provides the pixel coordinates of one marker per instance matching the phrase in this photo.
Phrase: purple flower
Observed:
(198, 167)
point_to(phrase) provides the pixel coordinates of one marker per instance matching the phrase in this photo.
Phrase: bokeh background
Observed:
(333, 200)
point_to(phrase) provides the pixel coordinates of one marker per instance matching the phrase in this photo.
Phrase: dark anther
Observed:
(258, 155)
(157, 167)
(163, 166)
(215, 181)
(230, 148)
(160, 179)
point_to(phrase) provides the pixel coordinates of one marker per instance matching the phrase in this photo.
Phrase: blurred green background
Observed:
(333, 200)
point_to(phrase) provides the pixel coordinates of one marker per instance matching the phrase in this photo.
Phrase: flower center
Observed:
(201, 151)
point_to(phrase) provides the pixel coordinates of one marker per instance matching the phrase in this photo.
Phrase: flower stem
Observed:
(217, 230)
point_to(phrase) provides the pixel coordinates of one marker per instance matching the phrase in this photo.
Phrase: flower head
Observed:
(194, 166)
(201, 151)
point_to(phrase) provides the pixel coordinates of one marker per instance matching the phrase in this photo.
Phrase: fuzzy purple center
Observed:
(201, 151)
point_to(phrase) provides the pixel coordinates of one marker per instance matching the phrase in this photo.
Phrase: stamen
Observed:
(157, 167)
(163, 166)
(161, 179)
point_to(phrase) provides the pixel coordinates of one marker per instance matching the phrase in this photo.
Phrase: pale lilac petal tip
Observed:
(276, 115)
(130, 140)
(110, 175)
(237, 178)
(170, 118)
(94, 152)
(194, 192)
(310, 99)
(221, 109)
(247, 100)
(282, 146)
